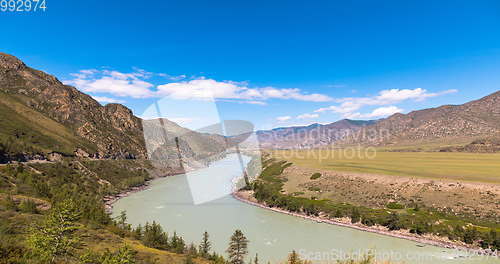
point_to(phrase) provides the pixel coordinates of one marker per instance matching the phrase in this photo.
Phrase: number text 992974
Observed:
(23, 5)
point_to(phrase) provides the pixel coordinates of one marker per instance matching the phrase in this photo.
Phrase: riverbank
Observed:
(109, 200)
(247, 197)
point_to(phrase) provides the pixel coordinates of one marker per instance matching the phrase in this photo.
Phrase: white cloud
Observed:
(254, 102)
(103, 99)
(134, 85)
(283, 118)
(307, 116)
(349, 106)
(182, 120)
(112, 82)
(209, 88)
(199, 89)
(378, 112)
(172, 77)
(418, 94)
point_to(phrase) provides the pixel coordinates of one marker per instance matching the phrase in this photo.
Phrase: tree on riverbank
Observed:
(205, 245)
(294, 258)
(238, 248)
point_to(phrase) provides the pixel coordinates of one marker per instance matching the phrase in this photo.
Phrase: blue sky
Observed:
(275, 63)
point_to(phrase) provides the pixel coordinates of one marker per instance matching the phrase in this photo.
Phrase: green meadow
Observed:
(474, 167)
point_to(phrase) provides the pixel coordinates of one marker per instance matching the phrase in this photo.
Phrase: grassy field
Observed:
(475, 167)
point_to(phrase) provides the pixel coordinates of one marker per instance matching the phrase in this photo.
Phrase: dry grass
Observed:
(472, 167)
(100, 240)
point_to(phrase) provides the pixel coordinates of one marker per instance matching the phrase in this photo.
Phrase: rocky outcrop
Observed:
(111, 131)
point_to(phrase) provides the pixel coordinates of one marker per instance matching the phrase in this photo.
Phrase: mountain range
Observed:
(474, 125)
(470, 127)
(311, 136)
(42, 118)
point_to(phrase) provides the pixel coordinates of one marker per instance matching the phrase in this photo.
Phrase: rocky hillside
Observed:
(311, 136)
(69, 121)
(41, 118)
(476, 121)
(166, 139)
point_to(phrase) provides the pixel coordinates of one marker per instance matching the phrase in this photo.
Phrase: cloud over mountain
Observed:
(137, 85)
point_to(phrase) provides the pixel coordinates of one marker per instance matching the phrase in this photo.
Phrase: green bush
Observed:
(9, 204)
(28, 206)
(315, 176)
(395, 206)
(419, 220)
(355, 216)
(314, 189)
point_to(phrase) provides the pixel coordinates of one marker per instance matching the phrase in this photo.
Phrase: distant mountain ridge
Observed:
(40, 116)
(471, 127)
(473, 122)
(311, 136)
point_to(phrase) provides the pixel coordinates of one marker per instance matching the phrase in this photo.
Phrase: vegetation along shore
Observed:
(418, 223)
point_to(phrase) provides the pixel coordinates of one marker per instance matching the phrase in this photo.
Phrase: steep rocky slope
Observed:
(110, 131)
(40, 116)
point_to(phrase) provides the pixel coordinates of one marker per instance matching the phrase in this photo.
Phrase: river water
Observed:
(272, 235)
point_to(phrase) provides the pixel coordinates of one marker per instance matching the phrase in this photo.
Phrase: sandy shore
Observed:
(247, 197)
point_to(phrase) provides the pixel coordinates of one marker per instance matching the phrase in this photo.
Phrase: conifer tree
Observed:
(55, 237)
(205, 245)
(238, 248)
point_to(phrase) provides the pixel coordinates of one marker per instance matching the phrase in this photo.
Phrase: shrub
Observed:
(368, 221)
(393, 223)
(9, 204)
(355, 216)
(28, 206)
(314, 189)
(315, 176)
(338, 214)
(395, 205)
(124, 255)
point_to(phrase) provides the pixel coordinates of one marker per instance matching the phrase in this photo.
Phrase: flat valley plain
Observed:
(453, 166)
(462, 183)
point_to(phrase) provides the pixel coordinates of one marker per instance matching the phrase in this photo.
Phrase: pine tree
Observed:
(177, 244)
(121, 221)
(205, 245)
(293, 258)
(55, 237)
(191, 250)
(153, 236)
(137, 234)
(238, 248)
